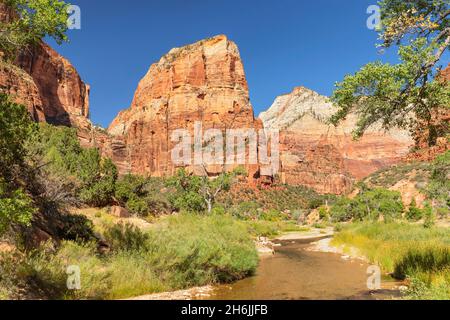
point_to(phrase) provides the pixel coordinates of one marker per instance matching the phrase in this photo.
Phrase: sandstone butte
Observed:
(205, 82)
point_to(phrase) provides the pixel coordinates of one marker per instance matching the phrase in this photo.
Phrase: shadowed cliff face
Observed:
(65, 97)
(203, 82)
(324, 157)
(46, 83)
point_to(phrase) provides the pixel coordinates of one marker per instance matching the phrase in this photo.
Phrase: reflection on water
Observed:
(296, 274)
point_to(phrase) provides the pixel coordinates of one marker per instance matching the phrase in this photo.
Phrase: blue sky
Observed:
(283, 43)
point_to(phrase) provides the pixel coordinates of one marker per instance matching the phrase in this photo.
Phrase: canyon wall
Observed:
(323, 157)
(45, 82)
(202, 82)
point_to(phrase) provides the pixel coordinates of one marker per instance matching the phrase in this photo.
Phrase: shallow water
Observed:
(294, 273)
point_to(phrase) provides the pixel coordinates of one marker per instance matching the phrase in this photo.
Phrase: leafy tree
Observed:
(32, 20)
(130, 186)
(369, 205)
(341, 210)
(16, 127)
(199, 193)
(99, 185)
(211, 187)
(409, 94)
(186, 195)
(16, 207)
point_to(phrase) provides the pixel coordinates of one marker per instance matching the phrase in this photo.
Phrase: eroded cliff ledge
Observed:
(324, 157)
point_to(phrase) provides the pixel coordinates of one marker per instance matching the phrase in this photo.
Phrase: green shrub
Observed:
(430, 218)
(342, 210)
(99, 186)
(16, 127)
(323, 213)
(137, 206)
(142, 196)
(83, 172)
(439, 186)
(126, 237)
(76, 228)
(414, 213)
(272, 215)
(16, 203)
(16, 207)
(218, 210)
(130, 186)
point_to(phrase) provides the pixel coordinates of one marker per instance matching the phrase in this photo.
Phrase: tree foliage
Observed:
(439, 186)
(16, 206)
(199, 193)
(32, 20)
(16, 127)
(371, 204)
(408, 94)
(81, 172)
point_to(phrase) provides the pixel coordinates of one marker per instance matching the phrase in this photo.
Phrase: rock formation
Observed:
(21, 87)
(45, 82)
(65, 97)
(202, 82)
(320, 156)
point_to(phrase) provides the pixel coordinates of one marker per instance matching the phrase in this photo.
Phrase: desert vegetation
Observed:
(407, 251)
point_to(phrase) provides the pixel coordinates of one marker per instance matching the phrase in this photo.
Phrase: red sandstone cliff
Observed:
(46, 83)
(203, 82)
(65, 97)
(321, 156)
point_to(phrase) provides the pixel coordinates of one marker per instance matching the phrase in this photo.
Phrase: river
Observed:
(294, 273)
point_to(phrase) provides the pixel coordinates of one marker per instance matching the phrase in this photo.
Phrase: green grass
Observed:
(408, 251)
(181, 251)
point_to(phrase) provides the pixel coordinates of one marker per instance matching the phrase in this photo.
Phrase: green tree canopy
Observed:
(409, 94)
(31, 21)
(199, 193)
(16, 126)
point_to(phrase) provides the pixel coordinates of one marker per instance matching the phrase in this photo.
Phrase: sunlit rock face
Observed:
(324, 157)
(203, 82)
